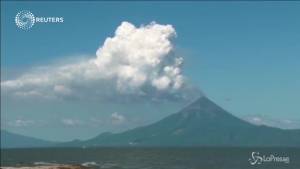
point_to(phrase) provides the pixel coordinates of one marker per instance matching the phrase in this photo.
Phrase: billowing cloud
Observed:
(137, 62)
(117, 118)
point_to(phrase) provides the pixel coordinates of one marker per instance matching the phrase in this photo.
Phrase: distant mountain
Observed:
(202, 123)
(12, 140)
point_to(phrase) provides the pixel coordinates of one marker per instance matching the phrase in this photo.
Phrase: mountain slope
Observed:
(12, 140)
(202, 123)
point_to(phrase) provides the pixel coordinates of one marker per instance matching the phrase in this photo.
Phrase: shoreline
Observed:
(48, 167)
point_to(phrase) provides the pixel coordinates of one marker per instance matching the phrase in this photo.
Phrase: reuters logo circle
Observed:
(25, 20)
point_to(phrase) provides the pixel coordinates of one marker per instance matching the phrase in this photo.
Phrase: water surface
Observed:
(152, 158)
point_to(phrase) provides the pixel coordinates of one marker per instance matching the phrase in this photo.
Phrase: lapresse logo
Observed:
(26, 20)
(256, 158)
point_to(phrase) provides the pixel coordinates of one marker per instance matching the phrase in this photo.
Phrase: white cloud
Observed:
(20, 123)
(61, 89)
(117, 118)
(71, 122)
(137, 62)
(273, 122)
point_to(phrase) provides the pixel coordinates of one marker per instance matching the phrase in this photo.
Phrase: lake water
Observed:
(157, 158)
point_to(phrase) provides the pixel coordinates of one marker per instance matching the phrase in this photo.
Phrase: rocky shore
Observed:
(49, 167)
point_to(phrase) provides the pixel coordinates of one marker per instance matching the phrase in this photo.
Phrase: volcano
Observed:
(202, 123)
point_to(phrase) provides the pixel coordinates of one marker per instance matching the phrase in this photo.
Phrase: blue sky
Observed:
(245, 56)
